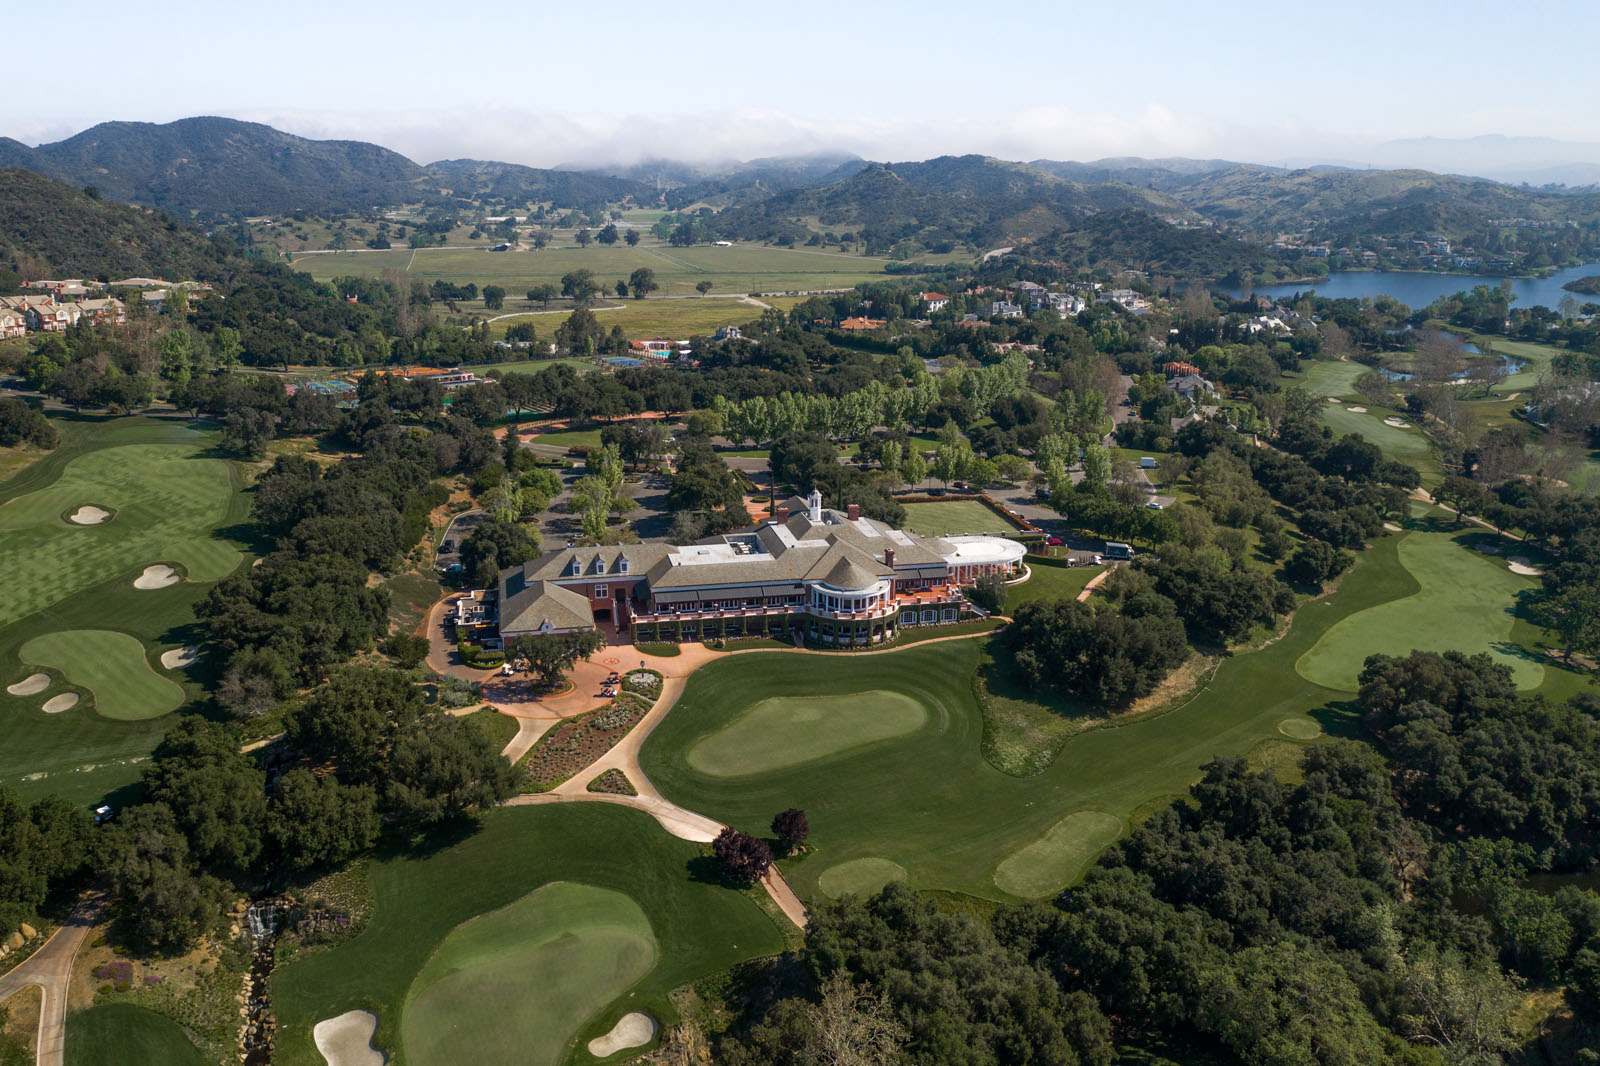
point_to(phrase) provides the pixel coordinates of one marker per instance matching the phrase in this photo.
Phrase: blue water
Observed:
(1419, 290)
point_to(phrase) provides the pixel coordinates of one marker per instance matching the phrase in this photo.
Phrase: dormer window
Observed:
(576, 566)
(599, 565)
(622, 565)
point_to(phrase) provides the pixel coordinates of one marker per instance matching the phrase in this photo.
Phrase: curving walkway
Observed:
(51, 969)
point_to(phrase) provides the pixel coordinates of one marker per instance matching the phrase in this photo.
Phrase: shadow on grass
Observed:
(1341, 718)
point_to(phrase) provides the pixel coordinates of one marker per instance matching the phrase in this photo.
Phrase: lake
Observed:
(1419, 290)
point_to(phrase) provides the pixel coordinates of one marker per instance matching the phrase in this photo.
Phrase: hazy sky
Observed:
(619, 80)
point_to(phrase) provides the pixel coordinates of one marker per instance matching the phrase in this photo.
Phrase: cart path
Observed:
(50, 968)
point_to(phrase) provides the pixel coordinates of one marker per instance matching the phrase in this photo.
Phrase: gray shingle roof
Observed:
(528, 606)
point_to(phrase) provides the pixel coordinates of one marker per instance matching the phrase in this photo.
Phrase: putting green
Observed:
(517, 984)
(790, 730)
(1056, 859)
(1465, 604)
(168, 500)
(859, 877)
(1300, 728)
(110, 665)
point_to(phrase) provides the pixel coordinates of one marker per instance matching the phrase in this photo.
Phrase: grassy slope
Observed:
(950, 818)
(121, 1034)
(1465, 601)
(702, 928)
(796, 729)
(79, 754)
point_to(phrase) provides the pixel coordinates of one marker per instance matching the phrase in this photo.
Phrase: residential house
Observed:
(1191, 386)
(1004, 309)
(13, 323)
(729, 333)
(109, 311)
(862, 325)
(934, 301)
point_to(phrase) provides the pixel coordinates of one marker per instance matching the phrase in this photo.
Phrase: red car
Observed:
(1055, 542)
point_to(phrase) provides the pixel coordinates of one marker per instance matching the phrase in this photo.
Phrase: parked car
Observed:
(447, 546)
(103, 814)
(1099, 561)
(1055, 542)
(1152, 506)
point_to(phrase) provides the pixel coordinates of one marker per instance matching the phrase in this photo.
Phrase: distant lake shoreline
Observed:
(1419, 288)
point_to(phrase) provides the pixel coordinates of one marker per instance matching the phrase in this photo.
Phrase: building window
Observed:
(600, 592)
(599, 565)
(908, 618)
(622, 565)
(948, 614)
(573, 569)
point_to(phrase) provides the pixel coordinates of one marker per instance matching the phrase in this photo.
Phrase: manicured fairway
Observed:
(421, 901)
(80, 578)
(168, 501)
(789, 730)
(121, 1034)
(516, 984)
(1465, 603)
(112, 667)
(1058, 858)
(931, 804)
(1407, 445)
(1333, 378)
(955, 518)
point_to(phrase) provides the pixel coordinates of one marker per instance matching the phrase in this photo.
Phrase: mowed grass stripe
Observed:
(168, 501)
(789, 730)
(1465, 603)
(574, 947)
(112, 666)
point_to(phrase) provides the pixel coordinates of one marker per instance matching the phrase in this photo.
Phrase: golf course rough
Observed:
(787, 731)
(1465, 603)
(110, 665)
(517, 984)
(1058, 858)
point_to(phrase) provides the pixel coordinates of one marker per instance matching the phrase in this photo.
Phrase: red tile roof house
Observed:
(935, 301)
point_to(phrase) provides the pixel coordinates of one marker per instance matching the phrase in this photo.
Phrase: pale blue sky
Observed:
(551, 83)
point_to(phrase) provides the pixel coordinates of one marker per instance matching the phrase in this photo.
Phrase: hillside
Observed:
(223, 166)
(1135, 239)
(952, 198)
(512, 183)
(53, 230)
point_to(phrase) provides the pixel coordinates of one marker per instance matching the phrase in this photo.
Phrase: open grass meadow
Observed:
(78, 610)
(122, 1034)
(928, 803)
(955, 518)
(674, 319)
(543, 904)
(737, 270)
(1050, 579)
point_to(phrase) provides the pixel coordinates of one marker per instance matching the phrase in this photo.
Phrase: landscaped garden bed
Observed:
(578, 742)
(613, 782)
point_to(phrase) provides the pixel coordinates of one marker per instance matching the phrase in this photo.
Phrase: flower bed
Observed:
(645, 682)
(613, 782)
(578, 742)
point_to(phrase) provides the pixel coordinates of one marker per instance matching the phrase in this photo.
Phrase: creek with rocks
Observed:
(259, 1028)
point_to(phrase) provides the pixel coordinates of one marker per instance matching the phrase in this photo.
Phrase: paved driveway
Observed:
(51, 969)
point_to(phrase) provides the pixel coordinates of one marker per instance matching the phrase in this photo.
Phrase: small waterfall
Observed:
(259, 1027)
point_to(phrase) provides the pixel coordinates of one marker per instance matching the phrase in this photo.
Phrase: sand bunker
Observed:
(64, 702)
(1521, 564)
(178, 658)
(1357, 410)
(158, 576)
(1392, 528)
(1333, 399)
(631, 1030)
(29, 685)
(1397, 423)
(88, 515)
(347, 1039)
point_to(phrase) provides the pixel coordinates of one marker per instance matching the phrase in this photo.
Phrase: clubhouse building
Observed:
(833, 576)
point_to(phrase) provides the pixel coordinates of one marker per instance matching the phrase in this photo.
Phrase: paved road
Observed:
(50, 968)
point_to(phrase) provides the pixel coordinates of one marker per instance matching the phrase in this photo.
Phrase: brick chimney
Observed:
(853, 511)
(782, 513)
(888, 558)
